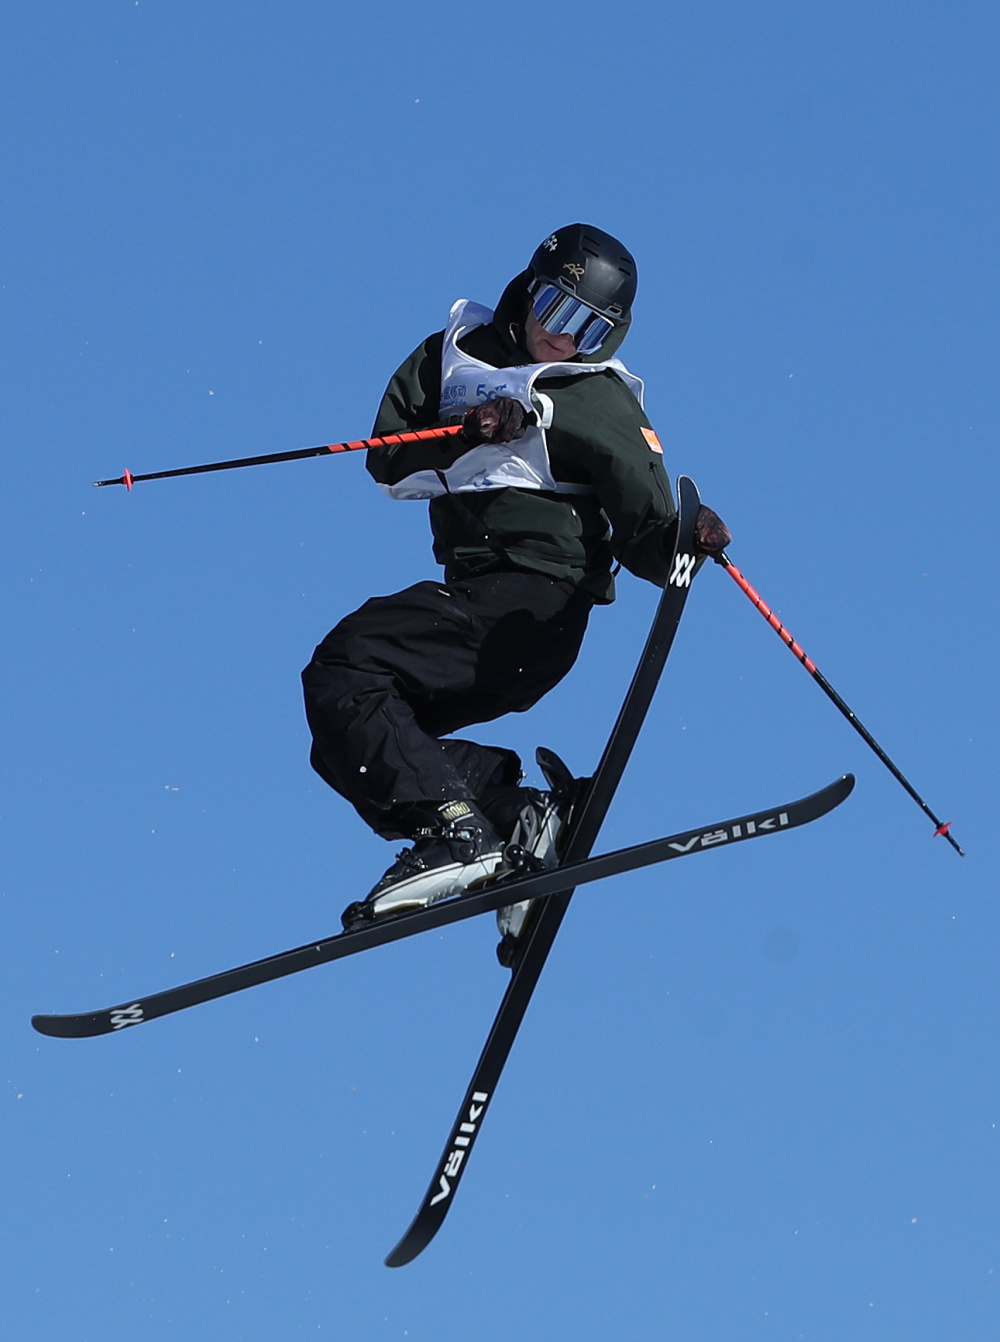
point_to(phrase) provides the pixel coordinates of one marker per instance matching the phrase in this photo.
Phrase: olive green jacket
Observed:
(596, 438)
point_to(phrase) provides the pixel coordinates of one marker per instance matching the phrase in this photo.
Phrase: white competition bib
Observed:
(467, 382)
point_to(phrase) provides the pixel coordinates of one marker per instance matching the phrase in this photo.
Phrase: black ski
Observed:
(538, 885)
(539, 934)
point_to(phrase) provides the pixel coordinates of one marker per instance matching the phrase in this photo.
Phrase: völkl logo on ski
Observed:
(709, 837)
(130, 1015)
(682, 571)
(461, 1144)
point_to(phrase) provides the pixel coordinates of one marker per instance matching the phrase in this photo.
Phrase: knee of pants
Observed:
(331, 683)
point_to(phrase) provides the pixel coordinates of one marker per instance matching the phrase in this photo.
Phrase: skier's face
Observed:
(543, 346)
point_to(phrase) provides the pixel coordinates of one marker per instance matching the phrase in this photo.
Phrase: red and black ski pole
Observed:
(359, 445)
(941, 827)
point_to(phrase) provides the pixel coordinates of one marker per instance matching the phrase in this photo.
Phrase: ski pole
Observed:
(359, 445)
(941, 827)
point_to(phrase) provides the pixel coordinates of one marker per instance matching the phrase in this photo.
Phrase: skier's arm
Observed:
(412, 397)
(601, 435)
(411, 401)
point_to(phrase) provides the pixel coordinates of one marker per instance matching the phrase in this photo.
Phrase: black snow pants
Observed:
(405, 670)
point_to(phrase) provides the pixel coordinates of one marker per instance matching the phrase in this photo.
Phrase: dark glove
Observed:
(498, 421)
(711, 535)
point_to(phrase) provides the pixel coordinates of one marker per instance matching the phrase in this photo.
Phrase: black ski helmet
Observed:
(591, 265)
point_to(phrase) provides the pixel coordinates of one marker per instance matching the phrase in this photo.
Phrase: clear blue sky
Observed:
(756, 1095)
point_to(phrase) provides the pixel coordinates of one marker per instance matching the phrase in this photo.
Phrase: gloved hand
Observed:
(498, 421)
(711, 535)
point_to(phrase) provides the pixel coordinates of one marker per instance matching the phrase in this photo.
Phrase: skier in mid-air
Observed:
(556, 476)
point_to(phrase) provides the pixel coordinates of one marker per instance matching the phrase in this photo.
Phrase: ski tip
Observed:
(48, 1025)
(403, 1253)
(73, 1027)
(688, 490)
(420, 1233)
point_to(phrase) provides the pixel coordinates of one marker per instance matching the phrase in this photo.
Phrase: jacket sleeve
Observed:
(412, 401)
(601, 435)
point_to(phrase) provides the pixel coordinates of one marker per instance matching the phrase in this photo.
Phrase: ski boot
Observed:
(535, 844)
(458, 850)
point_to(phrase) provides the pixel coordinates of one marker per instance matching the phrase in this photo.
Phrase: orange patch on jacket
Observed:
(652, 440)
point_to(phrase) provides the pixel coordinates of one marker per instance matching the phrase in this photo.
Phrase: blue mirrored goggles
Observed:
(562, 314)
